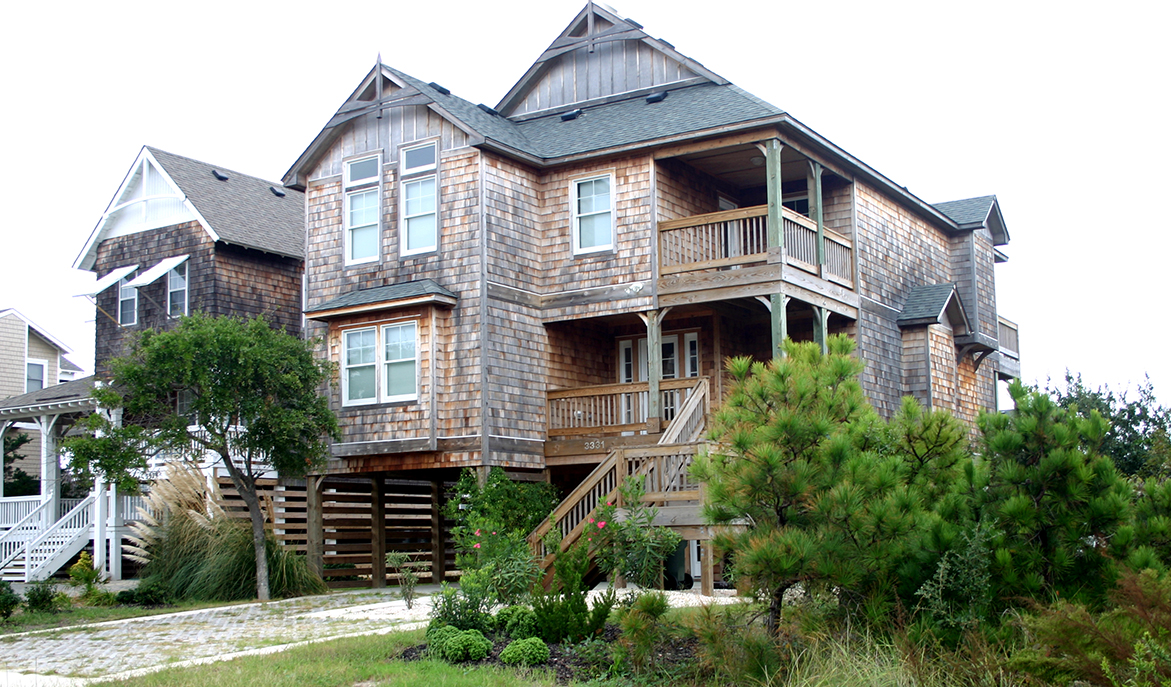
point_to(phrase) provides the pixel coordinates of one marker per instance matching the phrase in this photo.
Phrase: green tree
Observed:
(1057, 501)
(830, 495)
(1137, 439)
(17, 482)
(225, 386)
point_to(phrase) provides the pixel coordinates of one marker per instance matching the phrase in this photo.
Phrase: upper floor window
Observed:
(362, 210)
(177, 291)
(798, 204)
(127, 301)
(419, 200)
(380, 364)
(593, 214)
(36, 372)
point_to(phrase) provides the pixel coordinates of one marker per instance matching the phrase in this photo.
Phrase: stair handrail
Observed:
(12, 542)
(78, 518)
(593, 479)
(690, 414)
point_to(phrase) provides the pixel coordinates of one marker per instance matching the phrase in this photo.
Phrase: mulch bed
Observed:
(568, 662)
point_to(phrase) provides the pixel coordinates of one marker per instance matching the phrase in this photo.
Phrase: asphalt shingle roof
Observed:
(926, 302)
(74, 390)
(383, 294)
(242, 210)
(968, 210)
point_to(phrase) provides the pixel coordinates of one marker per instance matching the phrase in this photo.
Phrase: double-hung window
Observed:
(127, 301)
(362, 210)
(419, 199)
(177, 291)
(593, 214)
(35, 373)
(380, 364)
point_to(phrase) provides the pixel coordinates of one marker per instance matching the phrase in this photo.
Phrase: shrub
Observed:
(408, 579)
(509, 566)
(734, 647)
(9, 600)
(464, 607)
(437, 635)
(469, 645)
(640, 630)
(529, 652)
(152, 592)
(518, 622)
(42, 597)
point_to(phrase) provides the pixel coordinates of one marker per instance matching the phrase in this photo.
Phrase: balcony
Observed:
(739, 238)
(610, 409)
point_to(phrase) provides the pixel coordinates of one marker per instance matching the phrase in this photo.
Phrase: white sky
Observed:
(1056, 108)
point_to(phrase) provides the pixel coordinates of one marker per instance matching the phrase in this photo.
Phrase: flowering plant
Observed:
(625, 540)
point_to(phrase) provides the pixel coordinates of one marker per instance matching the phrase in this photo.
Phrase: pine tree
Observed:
(1056, 500)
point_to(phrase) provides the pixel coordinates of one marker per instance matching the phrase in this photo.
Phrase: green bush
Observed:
(9, 600)
(518, 622)
(438, 634)
(529, 652)
(408, 578)
(469, 645)
(464, 607)
(42, 597)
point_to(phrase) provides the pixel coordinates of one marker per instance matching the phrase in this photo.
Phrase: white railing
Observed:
(13, 542)
(75, 524)
(13, 509)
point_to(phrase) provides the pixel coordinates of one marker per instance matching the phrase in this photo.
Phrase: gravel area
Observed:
(80, 655)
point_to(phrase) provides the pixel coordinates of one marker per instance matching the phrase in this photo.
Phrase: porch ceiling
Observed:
(743, 165)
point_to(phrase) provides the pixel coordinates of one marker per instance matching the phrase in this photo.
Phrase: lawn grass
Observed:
(349, 662)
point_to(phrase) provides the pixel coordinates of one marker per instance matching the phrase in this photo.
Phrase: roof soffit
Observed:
(593, 25)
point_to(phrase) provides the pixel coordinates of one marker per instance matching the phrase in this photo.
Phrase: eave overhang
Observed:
(337, 313)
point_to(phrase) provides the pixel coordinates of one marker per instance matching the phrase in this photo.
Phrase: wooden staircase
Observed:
(664, 469)
(30, 551)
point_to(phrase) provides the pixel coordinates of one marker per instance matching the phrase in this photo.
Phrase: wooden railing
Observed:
(667, 480)
(612, 408)
(1008, 333)
(689, 419)
(13, 509)
(40, 552)
(740, 237)
(14, 540)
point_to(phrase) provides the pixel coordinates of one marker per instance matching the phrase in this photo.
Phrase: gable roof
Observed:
(976, 213)
(928, 303)
(67, 396)
(13, 312)
(239, 209)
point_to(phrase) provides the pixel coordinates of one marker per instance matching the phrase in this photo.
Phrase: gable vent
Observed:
(656, 97)
(571, 115)
(489, 110)
(219, 175)
(439, 88)
(276, 192)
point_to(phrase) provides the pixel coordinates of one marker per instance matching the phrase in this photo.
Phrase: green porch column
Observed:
(821, 327)
(778, 323)
(779, 320)
(654, 372)
(816, 212)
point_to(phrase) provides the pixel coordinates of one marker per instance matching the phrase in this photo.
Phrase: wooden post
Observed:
(50, 470)
(438, 545)
(3, 430)
(776, 221)
(707, 568)
(99, 509)
(816, 213)
(378, 532)
(620, 469)
(778, 322)
(118, 522)
(314, 525)
(821, 327)
(654, 372)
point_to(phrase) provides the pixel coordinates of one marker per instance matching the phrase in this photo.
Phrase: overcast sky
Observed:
(1057, 108)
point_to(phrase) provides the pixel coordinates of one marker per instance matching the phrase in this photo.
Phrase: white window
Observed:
(362, 210)
(127, 301)
(691, 354)
(397, 359)
(400, 362)
(419, 235)
(419, 199)
(177, 291)
(36, 372)
(593, 214)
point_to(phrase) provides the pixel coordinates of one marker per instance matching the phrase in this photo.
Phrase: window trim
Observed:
(352, 189)
(404, 239)
(122, 284)
(186, 289)
(44, 365)
(414, 145)
(575, 217)
(380, 363)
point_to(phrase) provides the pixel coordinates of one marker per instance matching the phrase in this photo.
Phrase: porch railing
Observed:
(13, 541)
(740, 237)
(612, 408)
(13, 509)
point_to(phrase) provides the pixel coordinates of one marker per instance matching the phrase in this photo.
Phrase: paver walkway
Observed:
(84, 654)
(115, 648)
